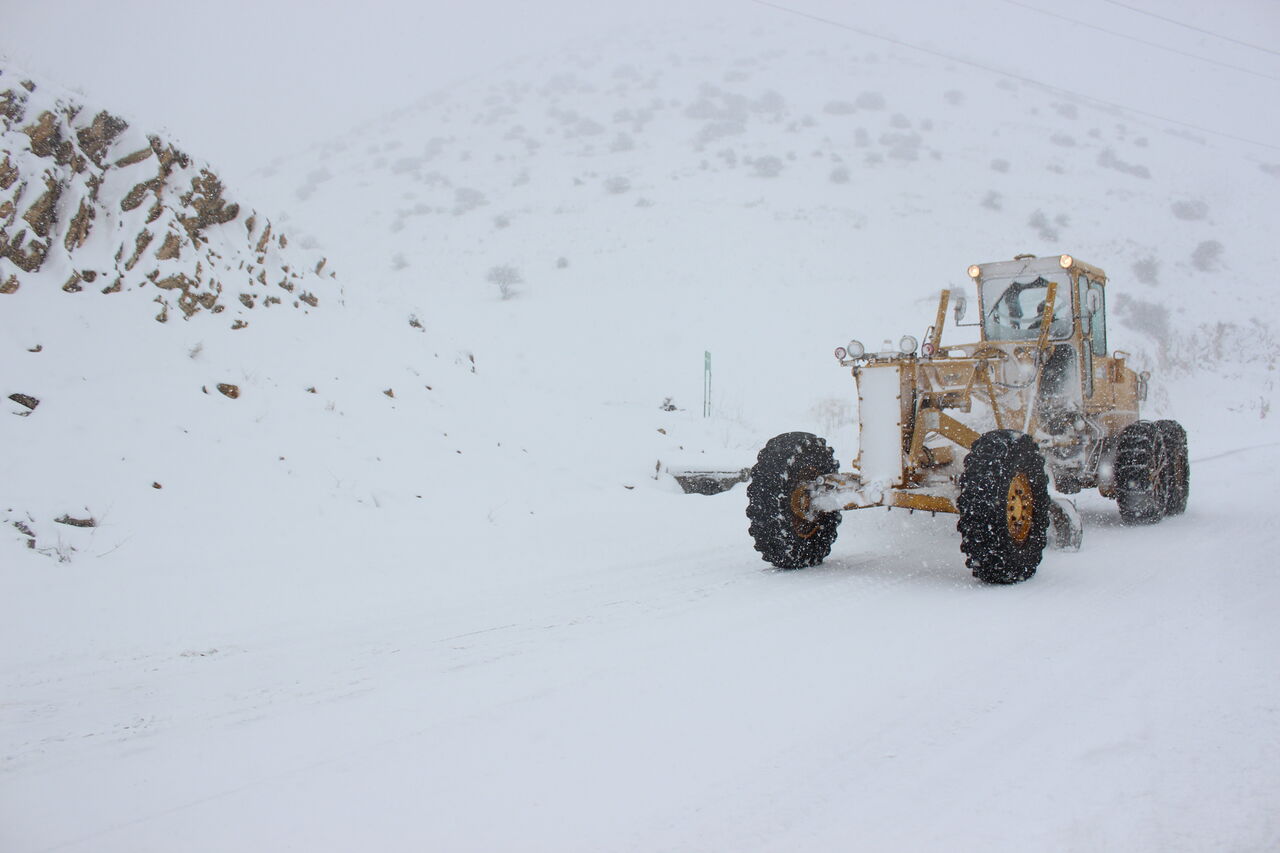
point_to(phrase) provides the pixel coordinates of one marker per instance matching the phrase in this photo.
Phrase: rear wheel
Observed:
(1178, 468)
(1004, 507)
(777, 500)
(1142, 477)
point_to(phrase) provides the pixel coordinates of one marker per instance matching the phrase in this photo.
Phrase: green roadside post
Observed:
(706, 383)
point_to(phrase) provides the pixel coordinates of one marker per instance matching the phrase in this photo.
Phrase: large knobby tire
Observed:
(784, 466)
(1142, 477)
(1178, 467)
(1004, 507)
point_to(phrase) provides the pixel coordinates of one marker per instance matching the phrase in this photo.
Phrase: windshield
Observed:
(1011, 307)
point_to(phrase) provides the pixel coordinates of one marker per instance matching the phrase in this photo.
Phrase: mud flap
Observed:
(1066, 531)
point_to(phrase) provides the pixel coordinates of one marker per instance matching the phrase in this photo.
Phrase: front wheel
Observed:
(1004, 507)
(777, 501)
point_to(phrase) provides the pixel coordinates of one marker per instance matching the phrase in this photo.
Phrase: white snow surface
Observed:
(428, 586)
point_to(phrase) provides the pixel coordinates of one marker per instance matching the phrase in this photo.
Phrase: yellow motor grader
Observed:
(980, 429)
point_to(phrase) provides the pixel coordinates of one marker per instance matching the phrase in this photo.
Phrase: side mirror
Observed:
(960, 304)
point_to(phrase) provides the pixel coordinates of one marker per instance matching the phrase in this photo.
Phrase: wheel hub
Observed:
(1019, 508)
(800, 522)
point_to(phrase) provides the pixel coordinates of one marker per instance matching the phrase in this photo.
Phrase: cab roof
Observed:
(1030, 264)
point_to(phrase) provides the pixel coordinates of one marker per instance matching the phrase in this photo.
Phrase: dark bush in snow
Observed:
(466, 199)
(1190, 209)
(767, 167)
(870, 101)
(1108, 160)
(1147, 270)
(1208, 256)
(506, 277)
(1044, 229)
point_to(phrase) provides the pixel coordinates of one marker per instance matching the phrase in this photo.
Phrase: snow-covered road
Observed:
(658, 688)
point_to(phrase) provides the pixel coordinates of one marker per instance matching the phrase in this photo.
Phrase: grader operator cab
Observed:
(980, 429)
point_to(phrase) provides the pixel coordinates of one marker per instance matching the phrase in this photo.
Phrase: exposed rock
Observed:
(57, 158)
(25, 400)
(210, 207)
(143, 240)
(45, 135)
(26, 530)
(79, 227)
(98, 136)
(12, 106)
(28, 259)
(191, 299)
(136, 157)
(42, 215)
(77, 522)
(229, 390)
(170, 248)
(8, 172)
(167, 158)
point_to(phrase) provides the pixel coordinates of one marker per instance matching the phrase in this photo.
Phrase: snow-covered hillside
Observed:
(423, 581)
(768, 196)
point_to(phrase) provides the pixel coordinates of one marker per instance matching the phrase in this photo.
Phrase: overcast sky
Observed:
(239, 82)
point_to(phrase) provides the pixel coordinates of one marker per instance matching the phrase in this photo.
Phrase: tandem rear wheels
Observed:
(1152, 472)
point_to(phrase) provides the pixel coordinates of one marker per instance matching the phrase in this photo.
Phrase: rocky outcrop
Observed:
(91, 205)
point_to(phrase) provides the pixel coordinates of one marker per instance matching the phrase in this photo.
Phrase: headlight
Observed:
(975, 271)
(907, 345)
(855, 349)
(841, 353)
(1066, 261)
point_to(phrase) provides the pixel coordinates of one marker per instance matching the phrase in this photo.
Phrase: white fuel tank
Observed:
(880, 425)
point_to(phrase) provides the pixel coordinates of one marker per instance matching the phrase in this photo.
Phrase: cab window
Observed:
(1093, 293)
(1012, 308)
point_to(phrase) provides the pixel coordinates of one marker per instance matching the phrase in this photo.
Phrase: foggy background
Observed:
(240, 82)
